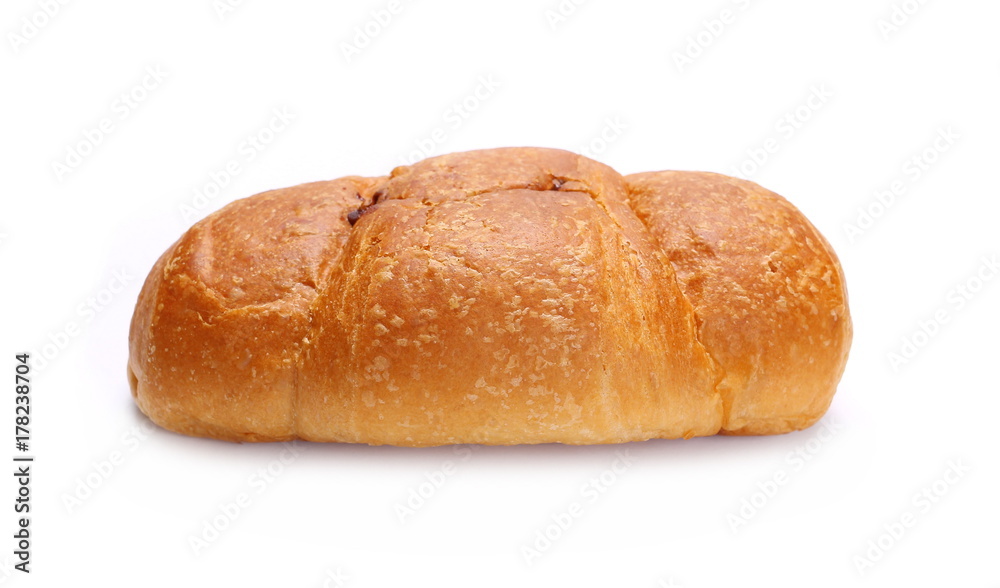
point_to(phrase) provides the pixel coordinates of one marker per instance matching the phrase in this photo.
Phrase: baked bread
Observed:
(502, 296)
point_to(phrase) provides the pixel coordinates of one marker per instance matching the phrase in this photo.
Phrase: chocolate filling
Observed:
(354, 215)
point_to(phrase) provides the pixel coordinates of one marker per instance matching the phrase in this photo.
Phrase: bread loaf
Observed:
(502, 296)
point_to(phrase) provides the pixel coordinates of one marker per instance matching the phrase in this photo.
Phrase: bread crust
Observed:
(503, 296)
(767, 288)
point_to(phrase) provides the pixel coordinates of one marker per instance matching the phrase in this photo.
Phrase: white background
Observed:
(668, 519)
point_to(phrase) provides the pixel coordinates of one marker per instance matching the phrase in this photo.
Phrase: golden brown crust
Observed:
(221, 319)
(767, 288)
(503, 296)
